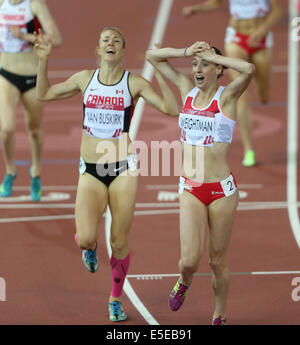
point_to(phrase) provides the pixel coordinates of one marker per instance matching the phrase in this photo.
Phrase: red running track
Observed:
(46, 282)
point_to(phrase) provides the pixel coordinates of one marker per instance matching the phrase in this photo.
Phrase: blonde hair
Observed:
(107, 28)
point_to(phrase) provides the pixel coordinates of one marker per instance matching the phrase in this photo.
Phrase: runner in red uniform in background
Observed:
(249, 37)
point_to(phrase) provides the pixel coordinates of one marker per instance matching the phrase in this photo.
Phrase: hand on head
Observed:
(197, 48)
(206, 53)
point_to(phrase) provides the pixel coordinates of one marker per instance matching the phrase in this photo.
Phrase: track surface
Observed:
(46, 282)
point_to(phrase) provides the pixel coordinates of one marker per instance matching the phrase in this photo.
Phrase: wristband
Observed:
(184, 53)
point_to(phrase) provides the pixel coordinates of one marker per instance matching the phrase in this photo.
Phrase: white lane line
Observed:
(161, 186)
(156, 204)
(292, 127)
(168, 275)
(27, 198)
(72, 205)
(263, 205)
(36, 206)
(243, 206)
(275, 272)
(36, 218)
(25, 188)
(148, 187)
(250, 186)
(155, 212)
(175, 186)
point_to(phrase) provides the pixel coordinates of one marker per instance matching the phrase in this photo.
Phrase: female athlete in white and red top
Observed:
(207, 189)
(107, 156)
(18, 20)
(249, 37)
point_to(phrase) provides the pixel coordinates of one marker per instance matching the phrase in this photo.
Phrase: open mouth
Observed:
(110, 51)
(199, 78)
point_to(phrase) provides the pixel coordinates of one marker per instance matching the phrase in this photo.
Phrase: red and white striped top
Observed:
(107, 109)
(248, 9)
(204, 126)
(16, 15)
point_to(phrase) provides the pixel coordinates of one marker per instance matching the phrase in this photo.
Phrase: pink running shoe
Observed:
(177, 295)
(218, 321)
(75, 239)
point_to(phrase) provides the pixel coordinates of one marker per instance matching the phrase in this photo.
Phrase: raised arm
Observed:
(171, 104)
(159, 59)
(235, 89)
(165, 103)
(41, 10)
(44, 90)
(204, 6)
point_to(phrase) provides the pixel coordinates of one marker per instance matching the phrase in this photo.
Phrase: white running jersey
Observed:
(248, 9)
(16, 15)
(107, 109)
(204, 126)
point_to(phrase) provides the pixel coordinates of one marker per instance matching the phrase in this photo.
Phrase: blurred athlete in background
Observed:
(19, 19)
(249, 37)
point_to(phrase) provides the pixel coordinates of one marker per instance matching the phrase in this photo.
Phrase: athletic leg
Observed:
(193, 223)
(91, 202)
(122, 196)
(244, 112)
(263, 73)
(9, 99)
(33, 110)
(221, 215)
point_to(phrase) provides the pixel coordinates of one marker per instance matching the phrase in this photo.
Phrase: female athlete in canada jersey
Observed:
(207, 189)
(249, 37)
(107, 157)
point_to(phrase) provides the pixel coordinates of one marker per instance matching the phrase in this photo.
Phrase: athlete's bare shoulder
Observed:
(137, 84)
(134, 78)
(35, 3)
(38, 1)
(87, 73)
(82, 78)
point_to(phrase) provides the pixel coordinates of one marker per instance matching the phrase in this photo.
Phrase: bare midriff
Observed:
(246, 26)
(97, 150)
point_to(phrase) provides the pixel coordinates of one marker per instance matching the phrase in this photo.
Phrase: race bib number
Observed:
(197, 127)
(132, 161)
(104, 124)
(82, 166)
(228, 186)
